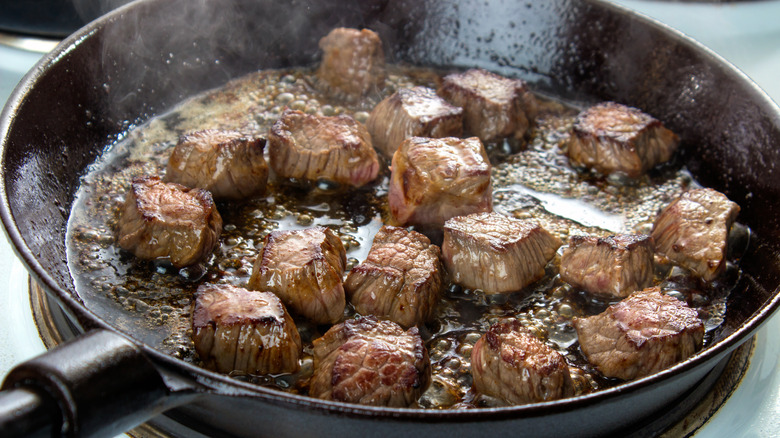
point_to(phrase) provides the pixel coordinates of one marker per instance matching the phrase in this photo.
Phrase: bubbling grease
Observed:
(531, 181)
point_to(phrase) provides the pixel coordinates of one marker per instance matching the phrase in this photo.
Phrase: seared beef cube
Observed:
(353, 62)
(313, 147)
(610, 137)
(237, 329)
(510, 363)
(693, 231)
(304, 268)
(433, 180)
(400, 279)
(494, 107)
(495, 253)
(226, 163)
(614, 265)
(160, 220)
(412, 112)
(370, 362)
(643, 334)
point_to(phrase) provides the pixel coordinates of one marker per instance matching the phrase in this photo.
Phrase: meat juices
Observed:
(494, 107)
(226, 163)
(237, 329)
(610, 137)
(314, 147)
(353, 62)
(510, 363)
(495, 253)
(412, 112)
(641, 335)
(434, 179)
(401, 278)
(304, 268)
(614, 265)
(160, 220)
(693, 231)
(370, 362)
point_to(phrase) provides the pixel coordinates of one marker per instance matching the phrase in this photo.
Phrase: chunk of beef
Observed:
(353, 62)
(495, 253)
(610, 137)
(370, 362)
(400, 279)
(160, 220)
(304, 268)
(614, 265)
(314, 147)
(494, 107)
(237, 329)
(433, 180)
(643, 334)
(412, 112)
(693, 231)
(510, 363)
(226, 163)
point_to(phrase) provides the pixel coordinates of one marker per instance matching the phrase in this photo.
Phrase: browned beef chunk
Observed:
(226, 163)
(160, 220)
(370, 362)
(693, 231)
(495, 253)
(237, 329)
(353, 62)
(614, 265)
(434, 179)
(304, 268)
(412, 112)
(610, 137)
(510, 363)
(401, 278)
(314, 147)
(494, 107)
(643, 334)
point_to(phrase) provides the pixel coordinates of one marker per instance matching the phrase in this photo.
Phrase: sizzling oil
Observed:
(531, 181)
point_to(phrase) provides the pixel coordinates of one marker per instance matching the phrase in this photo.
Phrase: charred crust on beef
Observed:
(494, 107)
(168, 220)
(401, 278)
(353, 63)
(692, 231)
(224, 162)
(434, 179)
(614, 265)
(495, 253)
(641, 335)
(305, 269)
(370, 362)
(610, 137)
(235, 329)
(412, 112)
(510, 363)
(311, 147)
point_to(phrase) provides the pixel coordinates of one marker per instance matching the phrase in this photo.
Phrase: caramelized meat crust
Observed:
(610, 137)
(370, 362)
(311, 147)
(641, 335)
(237, 329)
(433, 180)
(495, 253)
(401, 278)
(226, 163)
(168, 220)
(305, 269)
(353, 63)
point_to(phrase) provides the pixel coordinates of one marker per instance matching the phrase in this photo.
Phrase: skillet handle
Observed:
(99, 384)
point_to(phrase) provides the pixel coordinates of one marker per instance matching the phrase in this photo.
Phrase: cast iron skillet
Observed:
(142, 59)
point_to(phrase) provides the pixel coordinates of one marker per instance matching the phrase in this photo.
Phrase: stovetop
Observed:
(746, 34)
